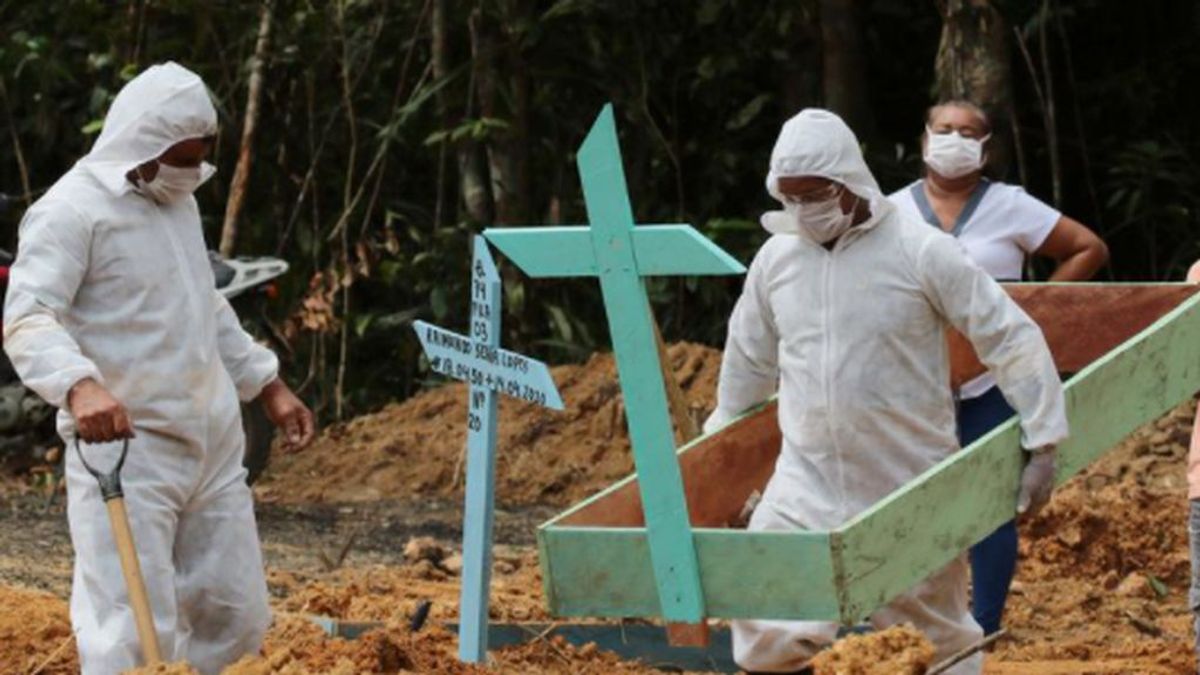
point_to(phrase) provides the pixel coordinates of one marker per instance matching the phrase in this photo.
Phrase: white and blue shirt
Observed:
(999, 226)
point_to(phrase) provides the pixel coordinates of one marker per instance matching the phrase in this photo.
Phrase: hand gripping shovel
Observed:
(114, 501)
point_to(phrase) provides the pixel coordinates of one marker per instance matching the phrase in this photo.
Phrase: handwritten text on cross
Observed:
(489, 371)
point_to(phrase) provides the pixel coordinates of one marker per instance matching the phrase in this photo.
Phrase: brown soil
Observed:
(1104, 575)
(35, 633)
(543, 456)
(899, 650)
(295, 645)
(392, 593)
(1102, 586)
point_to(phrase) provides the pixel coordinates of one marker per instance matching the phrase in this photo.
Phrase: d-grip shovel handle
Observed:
(110, 483)
(114, 500)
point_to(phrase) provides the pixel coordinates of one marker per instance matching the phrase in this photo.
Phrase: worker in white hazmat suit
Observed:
(844, 312)
(112, 316)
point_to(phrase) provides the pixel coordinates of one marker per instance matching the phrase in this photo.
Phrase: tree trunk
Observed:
(507, 150)
(800, 83)
(973, 64)
(484, 58)
(1051, 116)
(472, 164)
(439, 27)
(241, 174)
(845, 66)
(136, 16)
(516, 143)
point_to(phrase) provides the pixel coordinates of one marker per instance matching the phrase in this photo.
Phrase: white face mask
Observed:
(822, 221)
(953, 155)
(172, 183)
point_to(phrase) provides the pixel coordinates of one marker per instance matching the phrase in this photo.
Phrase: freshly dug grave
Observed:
(543, 456)
(295, 646)
(34, 628)
(391, 594)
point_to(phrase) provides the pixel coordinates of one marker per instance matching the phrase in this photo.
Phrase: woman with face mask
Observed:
(998, 225)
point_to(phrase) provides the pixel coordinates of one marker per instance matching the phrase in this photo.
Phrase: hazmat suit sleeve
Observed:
(750, 366)
(251, 365)
(52, 261)
(1007, 341)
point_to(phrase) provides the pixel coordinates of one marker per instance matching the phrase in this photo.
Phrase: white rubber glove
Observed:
(1037, 481)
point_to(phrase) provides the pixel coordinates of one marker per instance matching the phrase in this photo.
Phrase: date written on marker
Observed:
(509, 373)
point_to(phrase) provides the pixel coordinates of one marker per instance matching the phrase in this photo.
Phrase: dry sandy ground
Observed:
(1101, 589)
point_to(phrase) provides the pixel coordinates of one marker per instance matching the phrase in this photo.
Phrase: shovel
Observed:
(114, 501)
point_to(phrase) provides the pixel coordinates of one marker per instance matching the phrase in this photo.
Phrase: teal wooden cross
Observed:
(490, 371)
(621, 255)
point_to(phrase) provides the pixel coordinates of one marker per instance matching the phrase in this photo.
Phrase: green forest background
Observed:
(387, 132)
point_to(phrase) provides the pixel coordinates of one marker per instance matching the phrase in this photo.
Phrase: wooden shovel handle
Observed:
(132, 571)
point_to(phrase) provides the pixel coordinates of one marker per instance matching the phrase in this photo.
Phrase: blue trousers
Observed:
(993, 560)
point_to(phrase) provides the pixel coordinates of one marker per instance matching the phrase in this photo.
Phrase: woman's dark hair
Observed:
(964, 104)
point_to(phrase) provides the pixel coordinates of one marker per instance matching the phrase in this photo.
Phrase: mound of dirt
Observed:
(543, 456)
(295, 646)
(35, 633)
(391, 594)
(898, 650)
(1126, 513)
(35, 630)
(1104, 573)
(1101, 587)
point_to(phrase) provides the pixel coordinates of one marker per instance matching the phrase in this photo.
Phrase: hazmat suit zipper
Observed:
(827, 306)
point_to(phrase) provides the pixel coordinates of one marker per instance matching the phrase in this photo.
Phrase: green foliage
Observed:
(361, 142)
(1154, 199)
(473, 130)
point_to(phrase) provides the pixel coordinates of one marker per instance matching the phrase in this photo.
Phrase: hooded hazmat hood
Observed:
(817, 142)
(162, 106)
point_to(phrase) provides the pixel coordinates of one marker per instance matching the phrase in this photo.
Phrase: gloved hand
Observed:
(1037, 481)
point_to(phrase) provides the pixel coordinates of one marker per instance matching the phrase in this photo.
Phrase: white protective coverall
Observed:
(110, 285)
(854, 340)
